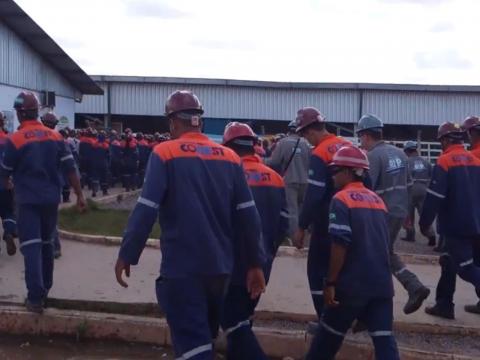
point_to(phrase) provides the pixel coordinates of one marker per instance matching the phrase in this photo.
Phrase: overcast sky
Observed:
(391, 41)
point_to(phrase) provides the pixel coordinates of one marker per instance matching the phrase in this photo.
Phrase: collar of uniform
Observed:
(29, 123)
(354, 185)
(193, 136)
(455, 147)
(251, 158)
(381, 142)
(325, 137)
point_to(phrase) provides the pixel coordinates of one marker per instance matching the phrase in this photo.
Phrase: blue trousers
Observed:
(462, 258)
(193, 307)
(377, 314)
(236, 321)
(36, 229)
(317, 268)
(7, 213)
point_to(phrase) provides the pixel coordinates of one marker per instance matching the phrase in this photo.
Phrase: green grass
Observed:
(97, 221)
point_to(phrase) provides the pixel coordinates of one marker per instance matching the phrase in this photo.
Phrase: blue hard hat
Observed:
(409, 145)
(369, 122)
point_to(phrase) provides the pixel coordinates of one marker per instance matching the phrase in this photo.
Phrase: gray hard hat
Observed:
(409, 145)
(292, 124)
(369, 122)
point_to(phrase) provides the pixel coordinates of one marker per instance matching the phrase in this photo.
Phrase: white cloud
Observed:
(306, 40)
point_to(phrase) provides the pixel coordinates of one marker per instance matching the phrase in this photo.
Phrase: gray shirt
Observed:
(390, 177)
(297, 172)
(421, 171)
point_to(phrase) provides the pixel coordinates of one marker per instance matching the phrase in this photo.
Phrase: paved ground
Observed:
(85, 272)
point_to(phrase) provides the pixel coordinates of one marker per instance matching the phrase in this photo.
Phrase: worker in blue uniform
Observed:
(130, 160)
(454, 196)
(197, 190)
(359, 283)
(7, 212)
(116, 156)
(36, 155)
(99, 164)
(311, 125)
(144, 151)
(268, 191)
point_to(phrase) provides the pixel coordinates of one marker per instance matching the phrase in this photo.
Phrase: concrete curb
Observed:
(276, 343)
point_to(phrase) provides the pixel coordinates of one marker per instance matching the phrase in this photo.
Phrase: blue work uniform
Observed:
(7, 212)
(144, 150)
(99, 165)
(454, 195)
(364, 288)
(116, 156)
(36, 155)
(268, 191)
(85, 156)
(197, 190)
(130, 163)
(315, 212)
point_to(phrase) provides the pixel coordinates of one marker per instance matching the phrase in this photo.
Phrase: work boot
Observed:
(34, 308)
(11, 247)
(473, 309)
(105, 192)
(415, 300)
(432, 240)
(438, 311)
(94, 194)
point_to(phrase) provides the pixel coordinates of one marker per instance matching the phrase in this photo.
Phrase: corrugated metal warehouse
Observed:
(137, 102)
(31, 60)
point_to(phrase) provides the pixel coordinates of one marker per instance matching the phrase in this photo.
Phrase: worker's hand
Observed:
(329, 296)
(255, 282)
(298, 238)
(81, 203)
(120, 267)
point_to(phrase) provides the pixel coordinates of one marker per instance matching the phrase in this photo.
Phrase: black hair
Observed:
(28, 114)
(376, 135)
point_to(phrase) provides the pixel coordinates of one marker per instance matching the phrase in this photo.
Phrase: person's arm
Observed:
(275, 161)
(284, 219)
(249, 230)
(8, 163)
(436, 193)
(341, 235)
(143, 217)
(375, 170)
(317, 182)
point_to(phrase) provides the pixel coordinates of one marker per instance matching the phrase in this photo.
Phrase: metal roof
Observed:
(28, 30)
(289, 85)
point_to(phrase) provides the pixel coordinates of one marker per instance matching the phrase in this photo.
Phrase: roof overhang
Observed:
(28, 30)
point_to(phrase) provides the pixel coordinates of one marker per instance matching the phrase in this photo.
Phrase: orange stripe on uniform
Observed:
(34, 134)
(456, 159)
(204, 150)
(328, 147)
(258, 174)
(364, 199)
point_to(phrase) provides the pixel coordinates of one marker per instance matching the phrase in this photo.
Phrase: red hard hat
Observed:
(308, 116)
(236, 130)
(183, 101)
(450, 129)
(26, 100)
(50, 119)
(350, 156)
(471, 122)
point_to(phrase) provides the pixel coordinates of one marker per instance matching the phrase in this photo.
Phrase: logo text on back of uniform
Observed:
(255, 176)
(202, 149)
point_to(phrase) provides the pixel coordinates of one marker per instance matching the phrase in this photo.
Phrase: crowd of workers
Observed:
(224, 211)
